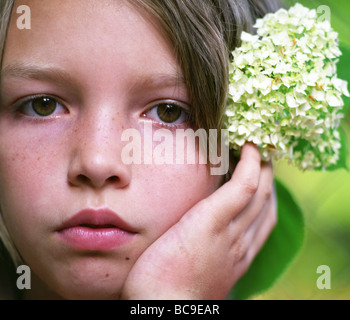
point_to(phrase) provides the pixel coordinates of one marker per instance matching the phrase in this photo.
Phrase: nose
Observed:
(96, 161)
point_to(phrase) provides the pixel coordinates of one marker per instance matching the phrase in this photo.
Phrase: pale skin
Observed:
(193, 237)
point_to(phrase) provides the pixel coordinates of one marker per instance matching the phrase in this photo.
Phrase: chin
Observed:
(91, 293)
(90, 289)
(91, 280)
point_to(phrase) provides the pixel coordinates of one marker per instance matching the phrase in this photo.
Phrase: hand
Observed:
(212, 246)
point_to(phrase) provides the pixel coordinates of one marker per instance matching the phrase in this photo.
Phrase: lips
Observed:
(95, 230)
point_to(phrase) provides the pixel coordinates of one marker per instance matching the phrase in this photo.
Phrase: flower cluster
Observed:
(284, 94)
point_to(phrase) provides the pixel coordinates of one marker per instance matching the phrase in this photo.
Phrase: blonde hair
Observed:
(203, 34)
(5, 16)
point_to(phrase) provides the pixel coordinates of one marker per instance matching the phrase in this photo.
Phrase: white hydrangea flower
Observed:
(284, 94)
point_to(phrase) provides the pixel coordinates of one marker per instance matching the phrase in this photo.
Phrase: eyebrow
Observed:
(161, 80)
(56, 75)
(28, 71)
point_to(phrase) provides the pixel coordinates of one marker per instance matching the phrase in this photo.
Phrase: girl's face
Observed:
(71, 85)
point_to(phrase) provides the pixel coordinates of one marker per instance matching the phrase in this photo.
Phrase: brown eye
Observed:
(169, 113)
(44, 106)
(41, 107)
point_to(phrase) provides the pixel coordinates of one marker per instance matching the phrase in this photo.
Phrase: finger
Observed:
(241, 243)
(265, 228)
(253, 241)
(254, 210)
(245, 226)
(226, 202)
(253, 229)
(257, 235)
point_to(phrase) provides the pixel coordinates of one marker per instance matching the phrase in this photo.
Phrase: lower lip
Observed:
(99, 239)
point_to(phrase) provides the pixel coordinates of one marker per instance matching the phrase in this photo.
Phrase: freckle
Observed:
(127, 258)
(107, 275)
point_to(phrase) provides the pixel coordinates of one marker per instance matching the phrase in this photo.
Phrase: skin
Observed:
(53, 167)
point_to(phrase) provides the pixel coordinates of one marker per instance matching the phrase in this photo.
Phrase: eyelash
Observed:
(25, 102)
(184, 109)
(181, 107)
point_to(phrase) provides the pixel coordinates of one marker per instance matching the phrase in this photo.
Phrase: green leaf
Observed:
(279, 250)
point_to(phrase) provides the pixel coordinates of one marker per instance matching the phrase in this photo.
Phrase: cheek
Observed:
(25, 165)
(24, 169)
(170, 191)
(165, 192)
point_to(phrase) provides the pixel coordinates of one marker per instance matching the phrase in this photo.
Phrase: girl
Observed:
(88, 224)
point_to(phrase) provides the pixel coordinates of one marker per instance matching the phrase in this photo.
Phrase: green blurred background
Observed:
(324, 198)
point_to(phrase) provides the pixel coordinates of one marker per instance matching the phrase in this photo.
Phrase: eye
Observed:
(41, 107)
(169, 113)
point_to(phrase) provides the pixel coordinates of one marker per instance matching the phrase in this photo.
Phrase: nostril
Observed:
(82, 178)
(86, 180)
(113, 179)
(97, 171)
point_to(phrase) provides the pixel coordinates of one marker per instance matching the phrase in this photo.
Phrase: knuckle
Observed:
(211, 219)
(268, 191)
(251, 186)
(239, 249)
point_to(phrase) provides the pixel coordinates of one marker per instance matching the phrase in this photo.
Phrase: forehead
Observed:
(84, 34)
